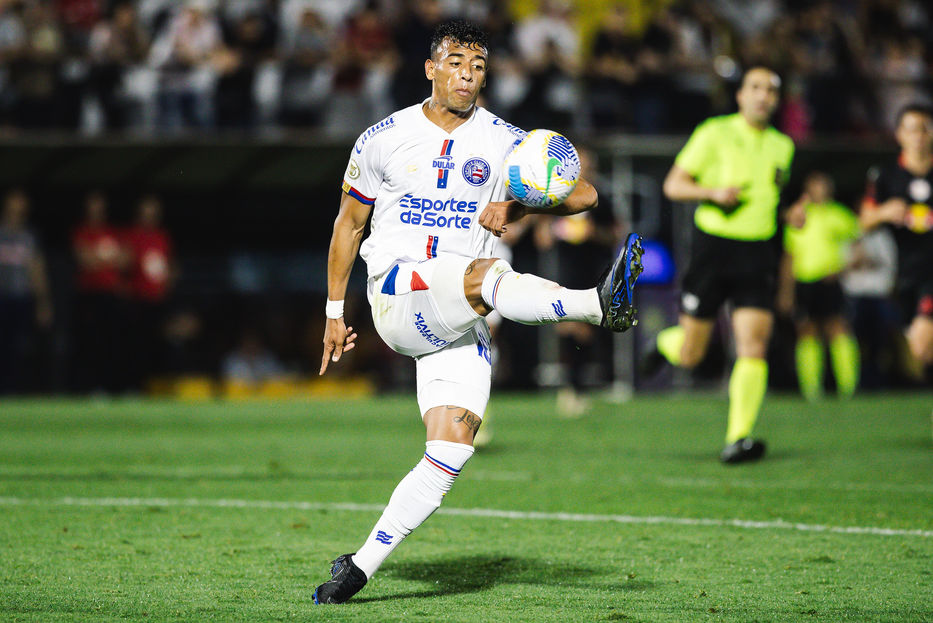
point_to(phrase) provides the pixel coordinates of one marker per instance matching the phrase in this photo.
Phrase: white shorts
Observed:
(420, 309)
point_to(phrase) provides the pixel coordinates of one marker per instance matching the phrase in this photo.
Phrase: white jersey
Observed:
(427, 186)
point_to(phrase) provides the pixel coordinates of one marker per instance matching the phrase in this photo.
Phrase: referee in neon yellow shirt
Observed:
(734, 166)
(816, 256)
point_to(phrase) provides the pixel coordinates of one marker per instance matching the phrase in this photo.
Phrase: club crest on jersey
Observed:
(476, 171)
(444, 163)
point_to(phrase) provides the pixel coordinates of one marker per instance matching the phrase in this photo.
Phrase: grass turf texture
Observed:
(864, 463)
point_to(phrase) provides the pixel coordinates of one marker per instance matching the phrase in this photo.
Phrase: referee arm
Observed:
(680, 185)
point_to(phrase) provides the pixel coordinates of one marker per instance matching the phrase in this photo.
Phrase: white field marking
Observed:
(777, 524)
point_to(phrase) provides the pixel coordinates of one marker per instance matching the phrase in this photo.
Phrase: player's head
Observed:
(95, 207)
(149, 213)
(15, 208)
(819, 187)
(457, 65)
(759, 94)
(914, 131)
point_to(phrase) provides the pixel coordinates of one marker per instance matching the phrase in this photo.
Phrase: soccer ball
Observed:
(542, 169)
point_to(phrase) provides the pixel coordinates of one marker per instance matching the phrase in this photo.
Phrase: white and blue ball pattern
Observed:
(542, 169)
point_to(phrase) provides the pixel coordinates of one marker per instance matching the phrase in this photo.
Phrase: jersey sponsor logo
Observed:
(384, 537)
(372, 131)
(514, 129)
(426, 333)
(476, 171)
(424, 211)
(919, 218)
(444, 163)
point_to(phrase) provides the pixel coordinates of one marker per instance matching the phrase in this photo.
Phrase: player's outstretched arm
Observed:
(344, 245)
(498, 214)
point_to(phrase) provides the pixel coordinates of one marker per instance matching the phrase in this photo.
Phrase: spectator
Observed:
(116, 43)
(308, 73)
(549, 47)
(37, 79)
(613, 71)
(151, 277)
(185, 53)
(415, 27)
(12, 53)
(99, 304)
(25, 302)
(251, 364)
(250, 41)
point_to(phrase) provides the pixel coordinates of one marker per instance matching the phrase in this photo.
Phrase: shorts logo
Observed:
(353, 169)
(444, 163)
(476, 171)
(385, 539)
(426, 333)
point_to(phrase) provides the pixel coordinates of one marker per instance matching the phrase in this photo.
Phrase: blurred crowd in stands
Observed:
(646, 66)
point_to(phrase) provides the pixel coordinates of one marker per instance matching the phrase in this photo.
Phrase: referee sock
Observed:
(417, 496)
(529, 299)
(810, 363)
(747, 387)
(670, 342)
(843, 350)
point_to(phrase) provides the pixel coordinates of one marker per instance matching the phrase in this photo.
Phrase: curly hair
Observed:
(459, 31)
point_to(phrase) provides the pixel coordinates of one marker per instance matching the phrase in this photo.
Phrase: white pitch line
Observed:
(776, 524)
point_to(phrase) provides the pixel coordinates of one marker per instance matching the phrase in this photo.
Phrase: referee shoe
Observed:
(742, 451)
(616, 284)
(346, 581)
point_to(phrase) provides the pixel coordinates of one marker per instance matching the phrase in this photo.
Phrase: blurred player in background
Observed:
(430, 177)
(899, 196)
(151, 275)
(25, 301)
(100, 304)
(579, 241)
(735, 167)
(816, 255)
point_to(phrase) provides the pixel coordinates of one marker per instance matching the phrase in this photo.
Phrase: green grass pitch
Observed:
(171, 511)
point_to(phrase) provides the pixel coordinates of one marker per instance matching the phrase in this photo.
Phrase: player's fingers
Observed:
(324, 359)
(338, 350)
(349, 346)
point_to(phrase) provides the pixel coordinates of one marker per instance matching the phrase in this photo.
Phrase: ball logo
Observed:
(476, 171)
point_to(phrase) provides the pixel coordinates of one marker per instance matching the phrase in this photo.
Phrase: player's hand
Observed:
(725, 197)
(498, 214)
(338, 339)
(894, 210)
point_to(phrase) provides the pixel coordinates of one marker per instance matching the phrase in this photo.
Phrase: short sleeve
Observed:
(364, 173)
(695, 155)
(872, 183)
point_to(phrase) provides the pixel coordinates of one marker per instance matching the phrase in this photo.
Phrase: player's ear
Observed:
(429, 69)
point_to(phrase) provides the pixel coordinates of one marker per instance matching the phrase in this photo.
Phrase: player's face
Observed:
(458, 72)
(915, 133)
(759, 95)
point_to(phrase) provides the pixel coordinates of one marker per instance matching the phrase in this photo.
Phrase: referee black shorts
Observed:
(722, 269)
(818, 300)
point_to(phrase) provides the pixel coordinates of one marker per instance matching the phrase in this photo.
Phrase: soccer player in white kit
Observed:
(430, 177)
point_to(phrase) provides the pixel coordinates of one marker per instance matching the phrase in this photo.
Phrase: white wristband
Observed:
(334, 309)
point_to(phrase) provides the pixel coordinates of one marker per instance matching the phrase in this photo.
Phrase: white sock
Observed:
(417, 496)
(529, 299)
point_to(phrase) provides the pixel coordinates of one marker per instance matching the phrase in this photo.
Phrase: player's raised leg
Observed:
(529, 299)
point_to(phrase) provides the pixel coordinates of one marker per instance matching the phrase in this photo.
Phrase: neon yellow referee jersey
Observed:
(727, 151)
(821, 247)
